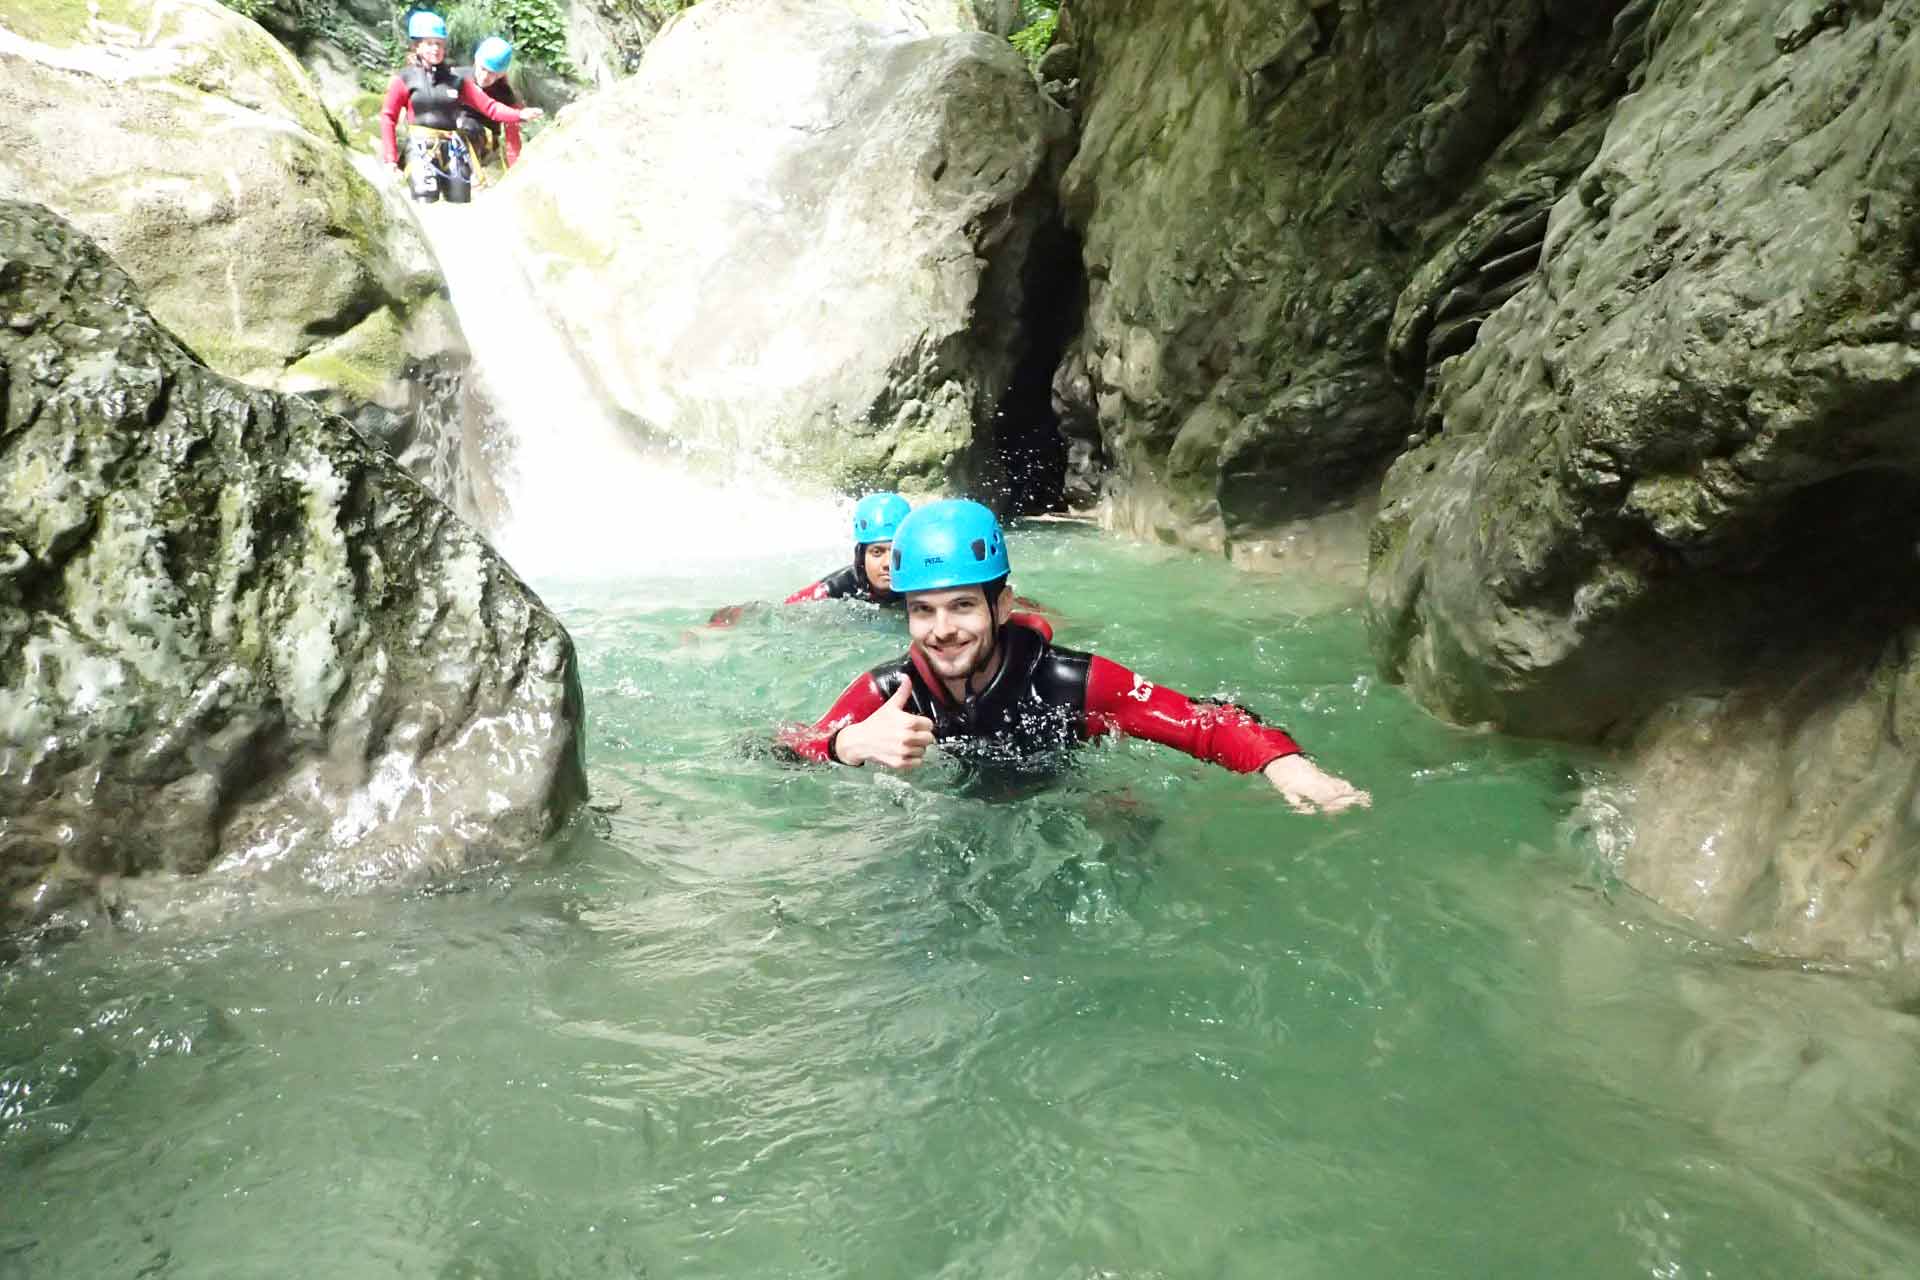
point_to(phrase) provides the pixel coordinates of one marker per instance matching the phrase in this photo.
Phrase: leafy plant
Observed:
(537, 28)
(1035, 38)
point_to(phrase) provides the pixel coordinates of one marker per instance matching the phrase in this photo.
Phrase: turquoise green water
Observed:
(765, 1021)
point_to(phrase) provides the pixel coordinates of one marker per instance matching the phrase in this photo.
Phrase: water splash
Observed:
(585, 501)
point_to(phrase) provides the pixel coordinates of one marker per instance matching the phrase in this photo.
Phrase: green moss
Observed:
(246, 54)
(62, 22)
(362, 362)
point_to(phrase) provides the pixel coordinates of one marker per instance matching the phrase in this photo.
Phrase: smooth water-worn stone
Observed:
(1788, 813)
(1257, 184)
(194, 148)
(800, 231)
(233, 633)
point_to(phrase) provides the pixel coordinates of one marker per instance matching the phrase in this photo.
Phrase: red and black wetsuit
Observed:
(483, 134)
(433, 96)
(848, 583)
(1045, 699)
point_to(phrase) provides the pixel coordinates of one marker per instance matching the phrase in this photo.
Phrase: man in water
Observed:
(991, 686)
(868, 578)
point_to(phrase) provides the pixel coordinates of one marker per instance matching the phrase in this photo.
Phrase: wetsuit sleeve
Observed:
(807, 595)
(1118, 701)
(397, 101)
(815, 742)
(511, 133)
(498, 112)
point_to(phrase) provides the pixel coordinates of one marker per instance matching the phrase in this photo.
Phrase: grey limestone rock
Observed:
(1257, 184)
(807, 239)
(1669, 495)
(232, 633)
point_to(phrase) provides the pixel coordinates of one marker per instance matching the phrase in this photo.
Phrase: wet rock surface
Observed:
(1276, 200)
(1668, 494)
(805, 238)
(1691, 433)
(1787, 812)
(235, 635)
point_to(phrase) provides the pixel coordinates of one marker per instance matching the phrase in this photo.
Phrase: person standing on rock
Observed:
(491, 59)
(990, 686)
(437, 160)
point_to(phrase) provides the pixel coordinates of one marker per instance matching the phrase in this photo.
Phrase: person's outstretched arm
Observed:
(863, 725)
(494, 110)
(808, 594)
(1119, 701)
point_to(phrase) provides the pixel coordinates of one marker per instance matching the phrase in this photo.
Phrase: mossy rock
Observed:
(215, 176)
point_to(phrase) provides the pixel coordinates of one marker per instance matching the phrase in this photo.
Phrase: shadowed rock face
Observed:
(801, 231)
(233, 633)
(1263, 188)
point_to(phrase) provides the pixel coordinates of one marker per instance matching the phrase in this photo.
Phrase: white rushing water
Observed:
(585, 501)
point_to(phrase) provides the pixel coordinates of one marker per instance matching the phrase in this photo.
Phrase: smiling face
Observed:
(431, 51)
(878, 560)
(955, 630)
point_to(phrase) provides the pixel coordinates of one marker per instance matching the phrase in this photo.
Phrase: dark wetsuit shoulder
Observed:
(844, 583)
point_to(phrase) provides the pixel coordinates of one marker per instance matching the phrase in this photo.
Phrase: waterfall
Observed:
(582, 499)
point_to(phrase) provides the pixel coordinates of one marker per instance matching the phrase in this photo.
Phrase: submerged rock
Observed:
(1788, 811)
(232, 632)
(189, 143)
(800, 231)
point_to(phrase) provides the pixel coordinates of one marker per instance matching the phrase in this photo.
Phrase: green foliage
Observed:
(248, 8)
(1034, 10)
(537, 28)
(1034, 38)
(664, 9)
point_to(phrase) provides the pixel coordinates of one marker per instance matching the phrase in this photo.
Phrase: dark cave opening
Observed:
(1027, 473)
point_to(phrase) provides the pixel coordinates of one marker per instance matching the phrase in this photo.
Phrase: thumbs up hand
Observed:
(892, 736)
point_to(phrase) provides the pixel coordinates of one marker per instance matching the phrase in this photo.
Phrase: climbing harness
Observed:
(440, 165)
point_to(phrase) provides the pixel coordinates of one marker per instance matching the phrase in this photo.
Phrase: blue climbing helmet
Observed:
(951, 543)
(493, 54)
(877, 516)
(422, 25)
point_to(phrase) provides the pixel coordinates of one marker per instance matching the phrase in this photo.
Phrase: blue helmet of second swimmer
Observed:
(493, 54)
(426, 26)
(877, 516)
(951, 543)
